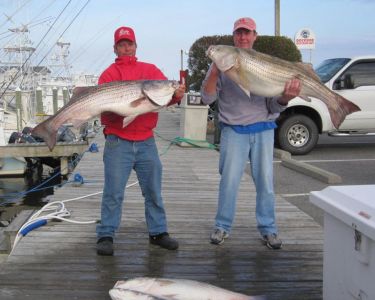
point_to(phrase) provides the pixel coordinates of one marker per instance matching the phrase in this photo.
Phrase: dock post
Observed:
(39, 101)
(54, 99)
(19, 109)
(64, 168)
(65, 95)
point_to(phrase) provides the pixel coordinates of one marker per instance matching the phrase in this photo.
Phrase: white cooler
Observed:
(349, 241)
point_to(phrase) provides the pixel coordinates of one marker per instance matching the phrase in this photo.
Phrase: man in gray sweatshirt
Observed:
(247, 133)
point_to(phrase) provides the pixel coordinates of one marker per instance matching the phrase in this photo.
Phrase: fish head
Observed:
(160, 92)
(225, 57)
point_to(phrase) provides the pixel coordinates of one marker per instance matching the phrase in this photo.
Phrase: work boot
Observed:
(104, 246)
(272, 241)
(218, 236)
(164, 240)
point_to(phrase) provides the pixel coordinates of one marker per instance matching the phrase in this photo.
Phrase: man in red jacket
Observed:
(132, 147)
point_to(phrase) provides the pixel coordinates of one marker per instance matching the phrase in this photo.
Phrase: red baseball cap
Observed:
(124, 33)
(247, 23)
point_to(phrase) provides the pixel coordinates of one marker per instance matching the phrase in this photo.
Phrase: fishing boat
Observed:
(9, 166)
(12, 166)
(31, 93)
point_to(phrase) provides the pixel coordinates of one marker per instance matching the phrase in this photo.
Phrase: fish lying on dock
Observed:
(265, 75)
(145, 288)
(125, 98)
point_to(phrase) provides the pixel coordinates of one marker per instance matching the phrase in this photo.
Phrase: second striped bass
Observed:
(265, 75)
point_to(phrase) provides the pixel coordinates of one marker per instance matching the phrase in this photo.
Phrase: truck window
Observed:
(329, 67)
(361, 74)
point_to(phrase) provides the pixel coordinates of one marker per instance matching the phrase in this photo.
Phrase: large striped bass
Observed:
(125, 98)
(265, 75)
(171, 289)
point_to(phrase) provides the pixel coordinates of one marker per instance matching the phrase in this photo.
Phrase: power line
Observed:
(75, 17)
(9, 18)
(15, 76)
(28, 25)
(91, 41)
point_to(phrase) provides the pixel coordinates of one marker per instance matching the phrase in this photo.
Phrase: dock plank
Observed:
(59, 261)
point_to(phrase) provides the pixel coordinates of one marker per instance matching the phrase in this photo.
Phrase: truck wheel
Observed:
(297, 134)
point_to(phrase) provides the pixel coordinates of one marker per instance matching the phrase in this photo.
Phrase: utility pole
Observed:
(277, 17)
(182, 60)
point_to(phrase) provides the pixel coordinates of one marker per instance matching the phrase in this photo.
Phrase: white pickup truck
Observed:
(301, 123)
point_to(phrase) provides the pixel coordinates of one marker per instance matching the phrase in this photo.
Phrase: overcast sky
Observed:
(164, 27)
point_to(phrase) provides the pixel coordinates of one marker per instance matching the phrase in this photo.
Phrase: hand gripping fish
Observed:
(144, 288)
(265, 75)
(125, 98)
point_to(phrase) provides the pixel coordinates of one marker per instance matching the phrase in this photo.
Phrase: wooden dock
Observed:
(59, 261)
(62, 150)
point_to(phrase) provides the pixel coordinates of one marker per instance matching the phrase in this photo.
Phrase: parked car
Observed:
(301, 123)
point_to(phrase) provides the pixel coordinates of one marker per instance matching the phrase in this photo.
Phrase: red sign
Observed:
(183, 75)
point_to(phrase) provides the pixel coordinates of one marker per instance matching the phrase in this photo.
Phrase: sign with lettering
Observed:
(305, 39)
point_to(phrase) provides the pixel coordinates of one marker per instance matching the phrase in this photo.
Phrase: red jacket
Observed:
(128, 68)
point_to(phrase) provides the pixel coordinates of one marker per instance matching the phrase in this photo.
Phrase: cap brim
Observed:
(244, 27)
(124, 40)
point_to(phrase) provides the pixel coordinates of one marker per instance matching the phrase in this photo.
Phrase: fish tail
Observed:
(345, 107)
(44, 131)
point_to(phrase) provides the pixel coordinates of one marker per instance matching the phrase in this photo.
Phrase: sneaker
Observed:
(104, 246)
(272, 241)
(218, 236)
(164, 240)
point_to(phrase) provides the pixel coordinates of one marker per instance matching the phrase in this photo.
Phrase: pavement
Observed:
(288, 171)
(305, 168)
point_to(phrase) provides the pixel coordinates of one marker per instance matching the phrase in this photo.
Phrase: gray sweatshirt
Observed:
(237, 108)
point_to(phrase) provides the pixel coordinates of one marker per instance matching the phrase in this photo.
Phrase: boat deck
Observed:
(59, 261)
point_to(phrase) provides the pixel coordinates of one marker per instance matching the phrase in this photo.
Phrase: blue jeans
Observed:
(120, 157)
(235, 150)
